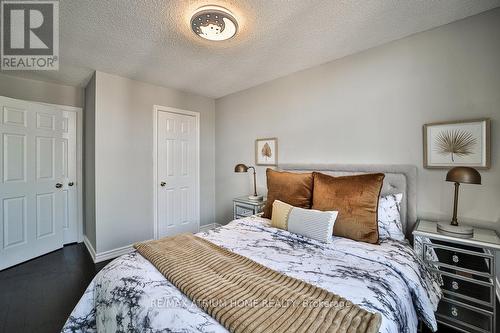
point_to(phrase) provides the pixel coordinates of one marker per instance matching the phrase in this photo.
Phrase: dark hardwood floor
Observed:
(38, 296)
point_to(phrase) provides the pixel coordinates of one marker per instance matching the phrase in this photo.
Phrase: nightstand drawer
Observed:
(244, 207)
(468, 289)
(465, 316)
(241, 210)
(467, 268)
(478, 263)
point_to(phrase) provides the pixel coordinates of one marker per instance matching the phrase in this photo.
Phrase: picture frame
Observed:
(266, 152)
(457, 143)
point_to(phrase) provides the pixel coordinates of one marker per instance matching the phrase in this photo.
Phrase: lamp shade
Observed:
(463, 175)
(240, 168)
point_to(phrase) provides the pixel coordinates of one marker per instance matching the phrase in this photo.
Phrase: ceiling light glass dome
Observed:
(214, 23)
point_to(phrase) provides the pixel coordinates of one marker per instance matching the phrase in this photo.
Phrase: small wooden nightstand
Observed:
(243, 207)
(467, 268)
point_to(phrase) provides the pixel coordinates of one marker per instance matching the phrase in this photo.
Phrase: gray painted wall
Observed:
(89, 162)
(118, 150)
(124, 157)
(38, 91)
(370, 108)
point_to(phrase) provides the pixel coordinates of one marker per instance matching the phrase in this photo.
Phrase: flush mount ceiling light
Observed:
(214, 23)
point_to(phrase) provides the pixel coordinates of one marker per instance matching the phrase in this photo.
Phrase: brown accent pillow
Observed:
(355, 198)
(292, 188)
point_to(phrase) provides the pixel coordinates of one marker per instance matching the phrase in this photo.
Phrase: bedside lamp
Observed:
(460, 175)
(243, 168)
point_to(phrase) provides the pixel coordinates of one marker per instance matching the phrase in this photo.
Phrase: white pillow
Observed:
(389, 217)
(311, 223)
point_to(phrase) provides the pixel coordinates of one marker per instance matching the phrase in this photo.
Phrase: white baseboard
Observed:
(89, 247)
(106, 255)
(111, 254)
(210, 226)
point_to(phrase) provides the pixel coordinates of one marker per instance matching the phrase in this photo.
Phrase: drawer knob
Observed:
(454, 311)
(455, 258)
(454, 285)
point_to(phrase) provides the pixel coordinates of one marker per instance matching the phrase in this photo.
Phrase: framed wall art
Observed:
(457, 143)
(266, 151)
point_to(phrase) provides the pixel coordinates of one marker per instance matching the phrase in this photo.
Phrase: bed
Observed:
(131, 295)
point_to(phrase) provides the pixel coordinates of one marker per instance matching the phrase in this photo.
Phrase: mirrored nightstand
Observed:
(467, 269)
(244, 207)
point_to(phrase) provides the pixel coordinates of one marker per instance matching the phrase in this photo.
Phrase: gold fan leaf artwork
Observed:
(455, 142)
(266, 151)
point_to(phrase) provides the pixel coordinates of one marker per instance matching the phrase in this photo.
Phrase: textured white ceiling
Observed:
(150, 40)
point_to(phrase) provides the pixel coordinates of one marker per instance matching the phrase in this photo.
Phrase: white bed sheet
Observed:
(130, 295)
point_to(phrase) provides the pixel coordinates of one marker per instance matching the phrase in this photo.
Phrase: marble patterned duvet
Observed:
(130, 295)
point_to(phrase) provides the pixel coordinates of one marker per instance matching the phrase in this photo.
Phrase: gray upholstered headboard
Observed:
(398, 179)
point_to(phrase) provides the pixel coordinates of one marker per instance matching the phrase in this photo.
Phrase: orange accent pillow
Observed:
(292, 188)
(355, 198)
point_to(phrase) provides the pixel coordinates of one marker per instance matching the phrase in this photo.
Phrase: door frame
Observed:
(196, 115)
(79, 157)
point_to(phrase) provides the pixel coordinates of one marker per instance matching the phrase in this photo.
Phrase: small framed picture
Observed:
(266, 151)
(458, 143)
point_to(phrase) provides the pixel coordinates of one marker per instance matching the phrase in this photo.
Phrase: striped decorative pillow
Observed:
(311, 223)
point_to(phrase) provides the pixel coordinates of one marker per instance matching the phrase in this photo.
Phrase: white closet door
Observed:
(32, 199)
(69, 176)
(177, 147)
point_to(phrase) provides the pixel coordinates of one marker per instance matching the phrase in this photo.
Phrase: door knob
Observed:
(162, 184)
(59, 185)
(71, 184)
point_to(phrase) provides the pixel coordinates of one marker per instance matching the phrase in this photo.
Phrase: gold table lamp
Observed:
(459, 175)
(244, 168)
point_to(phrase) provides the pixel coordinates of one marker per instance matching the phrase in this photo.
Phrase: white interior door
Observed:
(34, 162)
(69, 176)
(177, 173)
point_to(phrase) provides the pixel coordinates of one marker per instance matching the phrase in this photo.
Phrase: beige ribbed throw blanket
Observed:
(245, 296)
